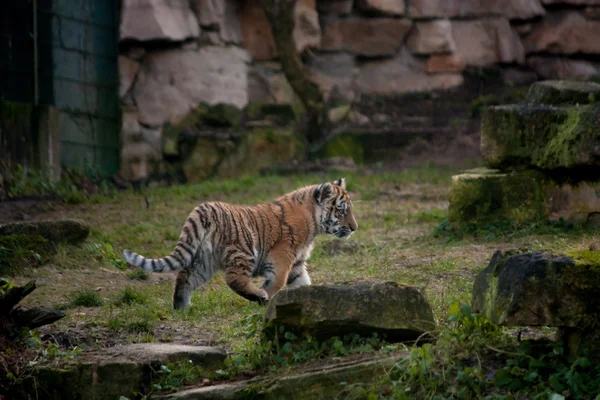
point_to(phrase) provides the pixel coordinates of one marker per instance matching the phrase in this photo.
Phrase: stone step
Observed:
(563, 93)
(324, 383)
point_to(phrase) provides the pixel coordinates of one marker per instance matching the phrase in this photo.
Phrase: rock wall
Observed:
(176, 54)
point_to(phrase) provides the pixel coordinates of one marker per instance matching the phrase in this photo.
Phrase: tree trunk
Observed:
(280, 14)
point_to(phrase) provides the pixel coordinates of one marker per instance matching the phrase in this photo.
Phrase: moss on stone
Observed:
(484, 195)
(345, 145)
(563, 93)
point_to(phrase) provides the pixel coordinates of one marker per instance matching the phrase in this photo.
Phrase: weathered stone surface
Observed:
(148, 353)
(487, 41)
(257, 35)
(172, 82)
(399, 312)
(445, 63)
(401, 74)
(562, 68)
(128, 69)
(485, 195)
(432, 37)
(157, 20)
(391, 8)
(513, 9)
(269, 85)
(546, 137)
(222, 15)
(70, 231)
(324, 384)
(369, 37)
(563, 93)
(331, 70)
(340, 7)
(566, 293)
(564, 33)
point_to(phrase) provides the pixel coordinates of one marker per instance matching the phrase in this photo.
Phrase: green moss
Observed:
(487, 195)
(345, 146)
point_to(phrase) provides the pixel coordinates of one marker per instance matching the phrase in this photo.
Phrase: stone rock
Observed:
(566, 292)
(71, 231)
(268, 85)
(592, 13)
(432, 37)
(128, 69)
(484, 195)
(332, 70)
(487, 41)
(399, 312)
(340, 7)
(563, 93)
(445, 63)
(401, 74)
(562, 68)
(338, 114)
(370, 37)
(512, 9)
(145, 20)
(148, 353)
(546, 137)
(222, 15)
(172, 82)
(564, 33)
(388, 8)
(518, 77)
(257, 35)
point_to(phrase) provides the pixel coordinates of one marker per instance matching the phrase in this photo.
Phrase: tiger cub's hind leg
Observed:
(188, 280)
(238, 271)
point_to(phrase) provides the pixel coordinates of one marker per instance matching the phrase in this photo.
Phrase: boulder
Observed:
(566, 292)
(222, 15)
(172, 82)
(487, 41)
(71, 231)
(512, 9)
(149, 353)
(370, 37)
(563, 93)
(400, 313)
(445, 63)
(267, 84)
(548, 67)
(564, 33)
(145, 20)
(128, 69)
(485, 195)
(257, 35)
(402, 74)
(338, 7)
(388, 8)
(542, 136)
(432, 37)
(329, 70)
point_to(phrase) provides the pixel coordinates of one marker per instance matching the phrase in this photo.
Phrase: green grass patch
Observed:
(84, 298)
(138, 274)
(130, 296)
(18, 252)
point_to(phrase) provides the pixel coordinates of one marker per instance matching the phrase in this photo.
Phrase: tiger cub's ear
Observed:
(322, 192)
(340, 182)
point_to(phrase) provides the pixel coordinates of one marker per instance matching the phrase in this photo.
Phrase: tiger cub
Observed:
(271, 240)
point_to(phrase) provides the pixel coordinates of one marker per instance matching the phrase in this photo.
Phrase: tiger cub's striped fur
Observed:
(272, 240)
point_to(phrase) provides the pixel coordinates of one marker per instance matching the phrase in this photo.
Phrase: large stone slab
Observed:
(563, 93)
(158, 20)
(402, 74)
(400, 313)
(541, 136)
(513, 9)
(389, 8)
(329, 70)
(539, 289)
(370, 37)
(484, 195)
(171, 83)
(553, 67)
(487, 41)
(222, 15)
(564, 33)
(70, 231)
(432, 37)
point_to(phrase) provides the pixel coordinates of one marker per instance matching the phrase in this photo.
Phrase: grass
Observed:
(403, 236)
(85, 298)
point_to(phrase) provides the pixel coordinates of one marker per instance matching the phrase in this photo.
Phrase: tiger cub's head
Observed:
(334, 209)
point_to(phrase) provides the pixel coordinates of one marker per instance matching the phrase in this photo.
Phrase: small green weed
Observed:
(84, 298)
(175, 375)
(130, 296)
(106, 253)
(138, 274)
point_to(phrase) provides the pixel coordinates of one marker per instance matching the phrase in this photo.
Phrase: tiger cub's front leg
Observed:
(298, 275)
(280, 263)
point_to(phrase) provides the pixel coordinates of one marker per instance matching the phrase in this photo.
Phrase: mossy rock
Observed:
(345, 145)
(282, 113)
(72, 231)
(545, 137)
(483, 195)
(563, 93)
(566, 291)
